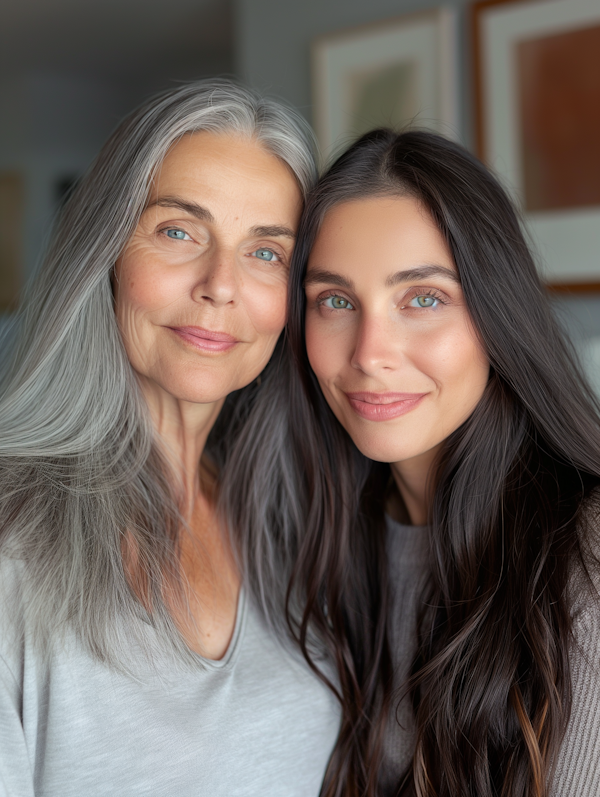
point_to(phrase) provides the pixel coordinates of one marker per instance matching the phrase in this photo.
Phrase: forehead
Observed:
(204, 158)
(380, 231)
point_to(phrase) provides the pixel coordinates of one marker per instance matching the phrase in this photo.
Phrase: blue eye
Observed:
(337, 303)
(424, 301)
(177, 235)
(265, 254)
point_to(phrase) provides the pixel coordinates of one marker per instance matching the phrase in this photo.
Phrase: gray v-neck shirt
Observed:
(577, 768)
(256, 723)
(407, 551)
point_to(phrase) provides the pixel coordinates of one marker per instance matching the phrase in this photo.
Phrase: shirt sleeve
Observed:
(578, 765)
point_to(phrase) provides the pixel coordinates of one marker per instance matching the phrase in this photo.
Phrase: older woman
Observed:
(132, 660)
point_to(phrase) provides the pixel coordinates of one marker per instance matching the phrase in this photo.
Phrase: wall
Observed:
(51, 128)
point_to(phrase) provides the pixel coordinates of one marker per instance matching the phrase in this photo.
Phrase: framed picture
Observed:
(12, 197)
(396, 73)
(538, 122)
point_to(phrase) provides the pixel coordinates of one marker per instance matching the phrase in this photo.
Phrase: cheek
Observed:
(313, 355)
(467, 361)
(144, 287)
(456, 362)
(317, 349)
(266, 308)
(329, 349)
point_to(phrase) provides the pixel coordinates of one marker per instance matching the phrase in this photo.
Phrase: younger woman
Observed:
(444, 393)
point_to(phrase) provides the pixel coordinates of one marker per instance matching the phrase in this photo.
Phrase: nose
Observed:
(376, 347)
(216, 281)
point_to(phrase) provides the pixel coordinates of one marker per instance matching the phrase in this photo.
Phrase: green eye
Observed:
(265, 254)
(424, 301)
(338, 303)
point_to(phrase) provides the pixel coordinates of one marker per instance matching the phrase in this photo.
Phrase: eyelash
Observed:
(417, 292)
(279, 258)
(333, 295)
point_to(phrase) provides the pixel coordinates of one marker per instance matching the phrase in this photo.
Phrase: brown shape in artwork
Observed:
(11, 213)
(559, 84)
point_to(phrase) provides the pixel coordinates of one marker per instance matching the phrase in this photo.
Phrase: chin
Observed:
(198, 391)
(382, 451)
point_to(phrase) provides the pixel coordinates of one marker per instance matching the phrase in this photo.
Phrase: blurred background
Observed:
(71, 69)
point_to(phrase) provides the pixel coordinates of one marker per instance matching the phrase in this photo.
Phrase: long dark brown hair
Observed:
(491, 681)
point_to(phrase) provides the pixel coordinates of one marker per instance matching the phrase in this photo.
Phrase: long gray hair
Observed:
(80, 473)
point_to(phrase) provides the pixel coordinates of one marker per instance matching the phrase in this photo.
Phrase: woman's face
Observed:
(387, 330)
(200, 289)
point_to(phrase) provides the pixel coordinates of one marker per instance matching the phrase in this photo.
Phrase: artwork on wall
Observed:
(12, 195)
(396, 73)
(538, 119)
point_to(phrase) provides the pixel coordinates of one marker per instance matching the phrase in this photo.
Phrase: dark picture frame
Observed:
(536, 76)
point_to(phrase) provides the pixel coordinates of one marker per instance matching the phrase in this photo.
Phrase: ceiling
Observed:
(141, 40)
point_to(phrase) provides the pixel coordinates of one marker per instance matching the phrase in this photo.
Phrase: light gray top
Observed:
(257, 723)
(578, 765)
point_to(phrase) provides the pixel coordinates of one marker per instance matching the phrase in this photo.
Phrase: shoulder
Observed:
(584, 584)
(577, 770)
(12, 620)
(12, 588)
(589, 520)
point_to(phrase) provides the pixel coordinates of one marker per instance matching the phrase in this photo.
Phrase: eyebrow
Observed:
(203, 214)
(183, 204)
(273, 231)
(319, 276)
(421, 273)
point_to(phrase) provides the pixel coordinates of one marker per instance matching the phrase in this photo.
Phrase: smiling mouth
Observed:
(383, 406)
(205, 339)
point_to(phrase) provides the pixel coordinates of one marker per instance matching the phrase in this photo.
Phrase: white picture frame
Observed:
(400, 72)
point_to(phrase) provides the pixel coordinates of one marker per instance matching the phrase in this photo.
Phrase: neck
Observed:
(205, 610)
(182, 428)
(412, 477)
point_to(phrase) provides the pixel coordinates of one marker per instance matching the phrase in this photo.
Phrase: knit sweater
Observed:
(577, 770)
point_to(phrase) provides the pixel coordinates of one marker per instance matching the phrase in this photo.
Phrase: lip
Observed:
(383, 406)
(205, 339)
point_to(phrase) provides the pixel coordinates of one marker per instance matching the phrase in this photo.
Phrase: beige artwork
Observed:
(382, 97)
